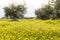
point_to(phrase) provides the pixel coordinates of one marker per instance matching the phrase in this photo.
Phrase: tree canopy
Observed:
(15, 12)
(50, 11)
(45, 12)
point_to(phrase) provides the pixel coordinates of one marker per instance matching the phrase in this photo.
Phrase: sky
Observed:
(30, 4)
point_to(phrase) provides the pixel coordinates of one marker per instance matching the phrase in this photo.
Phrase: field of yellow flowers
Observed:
(30, 30)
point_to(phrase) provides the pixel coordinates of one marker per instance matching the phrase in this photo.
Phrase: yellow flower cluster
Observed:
(30, 30)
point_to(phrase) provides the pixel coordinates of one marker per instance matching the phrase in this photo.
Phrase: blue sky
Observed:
(30, 4)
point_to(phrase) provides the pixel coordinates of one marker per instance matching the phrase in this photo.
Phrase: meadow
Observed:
(30, 30)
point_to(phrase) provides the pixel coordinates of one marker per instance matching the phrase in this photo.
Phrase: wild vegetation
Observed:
(30, 30)
(14, 11)
(49, 11)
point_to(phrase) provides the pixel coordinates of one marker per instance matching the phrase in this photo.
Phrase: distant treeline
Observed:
(49, 11)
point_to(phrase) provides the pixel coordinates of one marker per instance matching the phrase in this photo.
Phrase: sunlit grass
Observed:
(30, 30)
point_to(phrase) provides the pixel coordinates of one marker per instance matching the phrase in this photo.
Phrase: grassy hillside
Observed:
(30, 30)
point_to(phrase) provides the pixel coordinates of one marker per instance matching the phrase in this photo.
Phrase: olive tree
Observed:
(15, 12)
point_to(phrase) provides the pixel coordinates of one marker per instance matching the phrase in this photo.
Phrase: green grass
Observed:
(30, 30)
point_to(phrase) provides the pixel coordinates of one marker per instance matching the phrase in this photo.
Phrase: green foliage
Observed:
(57, 8)
(50, 11)
(15, 12)
(57, 5)
(44, 13)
